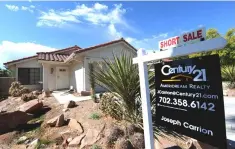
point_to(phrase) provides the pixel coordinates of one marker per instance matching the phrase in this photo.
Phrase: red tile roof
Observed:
(52, 57)
(69, 49)
(60, 57)
(25, 58)
(103, 45)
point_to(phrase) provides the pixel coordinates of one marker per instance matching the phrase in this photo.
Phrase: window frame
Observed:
(29, 76)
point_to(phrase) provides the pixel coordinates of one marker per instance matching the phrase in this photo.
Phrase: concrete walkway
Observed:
(63, 97)
(229, 105)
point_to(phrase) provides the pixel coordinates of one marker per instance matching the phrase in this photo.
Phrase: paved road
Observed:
(229, 103)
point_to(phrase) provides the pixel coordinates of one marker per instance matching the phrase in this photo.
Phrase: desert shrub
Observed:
(121, 79)
(28, 97)
(109, 106)
(114, 133)
(95, 146)
(137, 140)
(17, 89)
(228, 74)
(123, 144)
(95, 116)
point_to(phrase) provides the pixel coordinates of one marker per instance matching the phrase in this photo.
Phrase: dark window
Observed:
(29, 76)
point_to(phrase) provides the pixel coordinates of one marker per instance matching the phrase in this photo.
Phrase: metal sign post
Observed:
(142, 59)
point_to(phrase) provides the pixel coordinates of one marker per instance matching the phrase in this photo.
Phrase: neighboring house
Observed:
(64, 68)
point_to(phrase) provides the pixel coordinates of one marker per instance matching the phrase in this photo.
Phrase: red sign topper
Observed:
(187, 38)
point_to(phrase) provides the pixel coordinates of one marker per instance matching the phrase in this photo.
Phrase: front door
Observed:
(62, 78)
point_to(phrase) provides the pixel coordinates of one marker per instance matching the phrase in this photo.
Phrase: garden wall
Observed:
(5, 83)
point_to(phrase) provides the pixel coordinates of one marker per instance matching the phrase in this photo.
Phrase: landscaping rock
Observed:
(74, 124)
(70, 104)
(91, 137)
(123, 144)
(56, 121)
(76, 141)
(32, 106)
(46, 93)
(137, 141)
(11, 120)
(65, 110)
(65, 143)
(33, 144)
(22, 140)
(60, 121)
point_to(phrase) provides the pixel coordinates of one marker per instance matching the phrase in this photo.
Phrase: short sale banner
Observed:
(190, 99)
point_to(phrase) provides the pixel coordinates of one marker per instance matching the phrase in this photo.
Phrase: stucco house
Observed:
(64, 68)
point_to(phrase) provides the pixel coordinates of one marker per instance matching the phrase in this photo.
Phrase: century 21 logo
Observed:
(200, 73)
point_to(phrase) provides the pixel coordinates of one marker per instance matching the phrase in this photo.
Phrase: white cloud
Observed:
(97, 14)
(12, 7)
(150, 44)
(30, 8)
(11, 50)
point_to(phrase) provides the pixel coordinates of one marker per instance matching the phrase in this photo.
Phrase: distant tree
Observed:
(5, 73)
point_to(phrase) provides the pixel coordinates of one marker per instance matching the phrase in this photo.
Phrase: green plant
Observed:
(92, 82)
(228, 74)
(17, 89)
(109, 106)
(95, 146)
(42, 142)
(121, 79)
(28, 97)
(95, 116)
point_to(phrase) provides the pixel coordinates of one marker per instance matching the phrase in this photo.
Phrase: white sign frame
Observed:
(142, 59)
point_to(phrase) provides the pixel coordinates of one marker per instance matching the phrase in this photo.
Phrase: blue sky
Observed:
(30, 27)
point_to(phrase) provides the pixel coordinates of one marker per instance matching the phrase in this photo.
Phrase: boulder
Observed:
(33, 144)
(32, 106)
(76, 141)
(11, 120)
(46, 93)
(56, 121)
(74, 124)
(60, 121)
(21, 140)
(123, 144)
(70, 104)
(91, 137)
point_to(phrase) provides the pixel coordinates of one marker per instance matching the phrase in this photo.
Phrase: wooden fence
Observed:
(5, 83)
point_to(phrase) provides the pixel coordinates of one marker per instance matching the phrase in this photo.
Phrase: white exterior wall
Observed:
(77, 76)
(49, 77)
(98, 55)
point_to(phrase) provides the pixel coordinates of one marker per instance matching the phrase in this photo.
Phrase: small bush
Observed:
(17, 89)
(109, 106)
(95, 146)
(114, 134)
(228, 74)
(28, 97)
(95, 116)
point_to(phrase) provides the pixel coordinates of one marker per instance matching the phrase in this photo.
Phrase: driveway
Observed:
(229, 103)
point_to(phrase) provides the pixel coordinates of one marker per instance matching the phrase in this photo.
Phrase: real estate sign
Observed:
(190, 99)
(186, 38)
